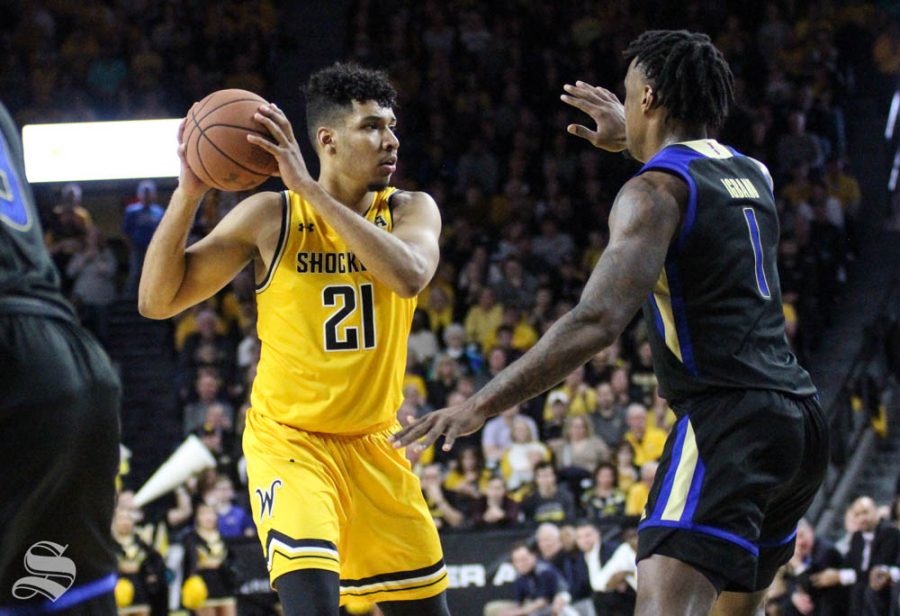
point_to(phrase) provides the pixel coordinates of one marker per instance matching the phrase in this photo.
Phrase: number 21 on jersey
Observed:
(347, 299)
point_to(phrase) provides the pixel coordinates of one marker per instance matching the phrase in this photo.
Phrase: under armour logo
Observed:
(380, 221)
(52, 574)
(310, 227)
(267, 499)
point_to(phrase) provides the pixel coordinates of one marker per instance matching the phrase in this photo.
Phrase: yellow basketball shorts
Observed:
(348, 504)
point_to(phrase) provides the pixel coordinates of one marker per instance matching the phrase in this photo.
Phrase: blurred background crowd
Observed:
(525, 210)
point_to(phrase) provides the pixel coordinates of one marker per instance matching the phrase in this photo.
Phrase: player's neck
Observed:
(355, 196)
(672, 132)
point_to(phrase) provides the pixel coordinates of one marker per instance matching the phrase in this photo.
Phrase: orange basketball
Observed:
(216, 138)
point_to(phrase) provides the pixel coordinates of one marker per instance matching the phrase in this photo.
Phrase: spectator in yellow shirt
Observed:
(523, 335)
(624, 461)
(646, 441)
(483, 318)
(640, 491)
(791, 323)
(418, 458)
(661, 415)
(581, 396)
(187, 323)
(469, 477)
(439, 309)
(415, 392)
(844, 187)
(797, 190)
(445, 280)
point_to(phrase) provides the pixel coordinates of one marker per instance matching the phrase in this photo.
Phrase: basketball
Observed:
(216, 138)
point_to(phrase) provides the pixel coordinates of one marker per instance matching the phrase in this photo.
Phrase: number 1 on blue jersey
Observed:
(759, 265)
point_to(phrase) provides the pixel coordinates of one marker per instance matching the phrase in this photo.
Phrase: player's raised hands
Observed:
(452, 422)
(604, 108)
(291, 166)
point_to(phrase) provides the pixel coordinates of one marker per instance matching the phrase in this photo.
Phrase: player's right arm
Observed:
(644, 219)
(175, 278)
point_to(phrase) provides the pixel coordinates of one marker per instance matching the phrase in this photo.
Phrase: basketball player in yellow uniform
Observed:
(339, 262)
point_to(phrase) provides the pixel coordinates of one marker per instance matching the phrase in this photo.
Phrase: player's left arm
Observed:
(643, 221)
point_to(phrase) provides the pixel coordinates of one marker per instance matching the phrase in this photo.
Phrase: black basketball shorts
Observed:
(59, 456)
(739, 469)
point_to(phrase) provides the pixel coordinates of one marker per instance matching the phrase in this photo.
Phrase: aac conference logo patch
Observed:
(52, 574)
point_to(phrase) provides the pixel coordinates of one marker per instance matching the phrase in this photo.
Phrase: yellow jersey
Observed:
(333, 350)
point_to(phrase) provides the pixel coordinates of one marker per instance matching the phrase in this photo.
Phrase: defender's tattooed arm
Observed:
(643, 222)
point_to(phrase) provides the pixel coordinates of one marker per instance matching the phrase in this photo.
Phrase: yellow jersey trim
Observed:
(708, 147)
(390, 207)
(684, 477)
(664, 306)
(282, 242)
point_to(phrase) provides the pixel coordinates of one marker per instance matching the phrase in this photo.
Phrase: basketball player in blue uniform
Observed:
(59, 424)
(693, 238)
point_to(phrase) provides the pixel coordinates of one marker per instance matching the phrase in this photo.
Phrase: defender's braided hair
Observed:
(689, 76)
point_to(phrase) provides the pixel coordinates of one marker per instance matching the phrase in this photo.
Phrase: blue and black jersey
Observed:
(59, 408)
(29, 282)
(715, 316)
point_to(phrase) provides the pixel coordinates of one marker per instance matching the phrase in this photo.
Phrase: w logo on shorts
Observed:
(267, 499)
(52, 574)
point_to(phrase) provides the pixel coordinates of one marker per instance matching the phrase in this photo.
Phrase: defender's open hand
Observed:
(604, 108)
(451, 422)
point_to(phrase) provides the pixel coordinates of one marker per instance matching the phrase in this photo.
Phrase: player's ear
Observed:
(325, 139)
(647, 98)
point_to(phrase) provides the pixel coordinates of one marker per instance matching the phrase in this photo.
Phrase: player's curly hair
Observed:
(333, 89)
(691, 78)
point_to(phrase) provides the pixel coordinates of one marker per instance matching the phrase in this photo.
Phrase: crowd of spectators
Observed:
(575, 569)
(525, 210)
(857, 574)
(127, 59)
(572, 571)
(114, 60)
